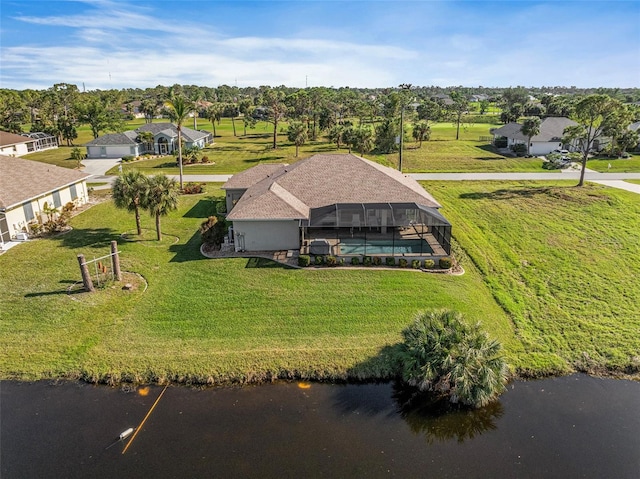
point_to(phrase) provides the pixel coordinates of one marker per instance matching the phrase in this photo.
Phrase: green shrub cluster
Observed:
(445, 263)
(390, 261)
(330, 260)
(415, 264)
(128, 158)
(429, 263)
(304, 260)
(402, 262)
(355, 261)
(377, 260)
(366, 260)
(319, 260)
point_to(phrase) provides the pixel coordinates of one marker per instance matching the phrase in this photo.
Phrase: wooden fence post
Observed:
(86, 277)
(115, 261)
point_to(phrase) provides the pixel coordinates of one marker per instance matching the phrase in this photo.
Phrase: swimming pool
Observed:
(355, 246)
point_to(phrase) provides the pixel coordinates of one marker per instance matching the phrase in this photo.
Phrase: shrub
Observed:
(193, 188)
(402, 262)
(366, 260)
(204, 159)
(355, 261)
(304, 260)
(128, 158)
(221, 207)
(331, 260)
(377, 260)
(390, 261)
(445, 263)
(319, 260)
(441, 353)
(341, 262)
(415, 264)
(429, 263)
(213, 230)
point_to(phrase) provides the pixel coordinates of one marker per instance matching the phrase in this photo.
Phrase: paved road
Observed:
(613, 180)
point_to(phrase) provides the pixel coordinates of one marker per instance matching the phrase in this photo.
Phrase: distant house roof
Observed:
(126, 138)
(8, 139)
(22, 180)
(170, 130)
(292, 191)
(551, 129)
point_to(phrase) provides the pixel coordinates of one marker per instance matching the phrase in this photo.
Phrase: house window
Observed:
(57, 203)
(133, 150)
(74, 192)
(27, 208)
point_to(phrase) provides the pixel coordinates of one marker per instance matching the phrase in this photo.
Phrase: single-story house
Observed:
(165, 141)
(25, 186)
(336, 204)
(15, 145)
(549, 138)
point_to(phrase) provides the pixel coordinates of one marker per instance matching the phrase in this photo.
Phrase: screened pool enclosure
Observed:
(376, 229)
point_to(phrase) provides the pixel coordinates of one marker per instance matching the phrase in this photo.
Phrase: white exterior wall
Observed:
(15, 216)
(266, 235)
(544, 148)
(112, 151)
(14, 150)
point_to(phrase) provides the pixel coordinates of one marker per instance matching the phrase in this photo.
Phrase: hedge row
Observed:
(305, 260)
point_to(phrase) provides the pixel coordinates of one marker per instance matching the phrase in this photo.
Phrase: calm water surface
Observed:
(576, 426)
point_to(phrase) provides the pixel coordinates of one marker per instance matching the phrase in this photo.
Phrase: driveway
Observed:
(98, 168)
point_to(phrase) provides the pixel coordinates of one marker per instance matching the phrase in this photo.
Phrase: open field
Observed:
(564, 290)
(562, 261)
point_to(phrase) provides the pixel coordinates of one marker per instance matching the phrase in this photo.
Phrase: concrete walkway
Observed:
(98, 168)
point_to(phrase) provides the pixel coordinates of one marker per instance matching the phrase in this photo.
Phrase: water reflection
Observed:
(439, 420)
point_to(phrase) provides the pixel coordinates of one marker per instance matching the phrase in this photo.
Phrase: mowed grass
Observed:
(212, 321)
(618, 165)
(550, 271)
(562, 261)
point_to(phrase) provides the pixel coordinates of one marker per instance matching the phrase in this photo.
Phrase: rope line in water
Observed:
(144, 420)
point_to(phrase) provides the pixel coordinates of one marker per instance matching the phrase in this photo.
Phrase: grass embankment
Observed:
(562, 261)
(209, 320)
(618, 165)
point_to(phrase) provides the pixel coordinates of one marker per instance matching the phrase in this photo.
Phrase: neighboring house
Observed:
(165, 141)
(25, 186)
(43, 141)
(549, 138)
(336, 204)
(635, 127)
(442, 98)
(15, 145)
(478, 97)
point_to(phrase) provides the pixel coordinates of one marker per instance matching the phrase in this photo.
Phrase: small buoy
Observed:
(126, 434)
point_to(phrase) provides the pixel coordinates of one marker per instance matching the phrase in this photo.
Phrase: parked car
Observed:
(561, 152)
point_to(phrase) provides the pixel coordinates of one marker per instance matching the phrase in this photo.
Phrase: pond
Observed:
(575, 426)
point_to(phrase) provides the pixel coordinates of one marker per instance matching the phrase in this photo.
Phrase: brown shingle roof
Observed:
(323, 180)
(22, 180)
(250, 177)
(8, 139)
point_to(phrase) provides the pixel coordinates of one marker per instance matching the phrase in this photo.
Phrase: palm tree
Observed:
(129, 190)
(421, 131)
(179, 108)
(161, 197)
(297, 134)
(363, 139)
(146, 138)
(444, 354)
(530, 128)
(214, 113)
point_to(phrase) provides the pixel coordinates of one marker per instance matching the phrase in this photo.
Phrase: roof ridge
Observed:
(289, 198)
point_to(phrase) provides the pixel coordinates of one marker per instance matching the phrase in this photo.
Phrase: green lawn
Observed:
(637, 182)
(549, 270)
(618, 165)
(209, 320)
(562, 261)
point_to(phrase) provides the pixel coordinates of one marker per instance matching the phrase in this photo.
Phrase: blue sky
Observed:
(115, 44)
